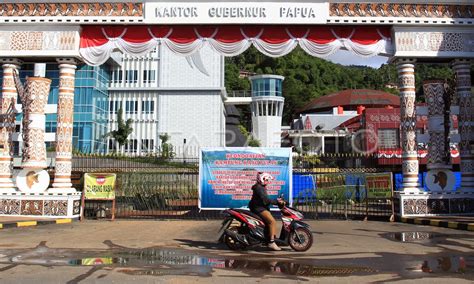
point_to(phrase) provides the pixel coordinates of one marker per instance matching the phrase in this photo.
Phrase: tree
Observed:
(251, 141)
(123, 129)
(166, 148)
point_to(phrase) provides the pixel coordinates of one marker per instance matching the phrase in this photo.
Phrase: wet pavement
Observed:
(414, 236)
(170, 251)
(159, 261)
(168, 261)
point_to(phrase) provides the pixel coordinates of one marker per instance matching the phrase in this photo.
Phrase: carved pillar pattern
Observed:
(406, 77)
(463, 91)
(8, 100)
(34, 101)
(62, 176)
(435, 98)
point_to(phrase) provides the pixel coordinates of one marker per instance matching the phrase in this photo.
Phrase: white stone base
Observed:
(44, 205)
(8, 190)
(413, 190)
(64, 190)
(7, 185)
(433, 204)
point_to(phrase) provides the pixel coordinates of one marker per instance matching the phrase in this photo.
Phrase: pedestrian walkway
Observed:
(16, 221)
(453, 222)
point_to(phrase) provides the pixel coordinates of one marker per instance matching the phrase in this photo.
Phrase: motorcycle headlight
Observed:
(286, 220)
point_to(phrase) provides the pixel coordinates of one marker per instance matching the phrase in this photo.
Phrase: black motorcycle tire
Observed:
(305, 235)
(231, 243)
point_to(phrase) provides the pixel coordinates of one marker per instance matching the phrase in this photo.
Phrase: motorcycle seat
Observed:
(248, 212)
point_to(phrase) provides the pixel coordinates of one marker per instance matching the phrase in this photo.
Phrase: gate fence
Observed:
(146, 190)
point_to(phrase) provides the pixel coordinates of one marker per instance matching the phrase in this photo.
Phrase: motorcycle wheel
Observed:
(302, 234)
(231, 243)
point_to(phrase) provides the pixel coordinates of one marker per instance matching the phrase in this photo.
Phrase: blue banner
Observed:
(226, 175)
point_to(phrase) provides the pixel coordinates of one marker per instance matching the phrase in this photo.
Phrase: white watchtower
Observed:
(267, 109)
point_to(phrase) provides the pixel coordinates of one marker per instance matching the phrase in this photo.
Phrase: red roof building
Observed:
(368, 118)
(351, 99)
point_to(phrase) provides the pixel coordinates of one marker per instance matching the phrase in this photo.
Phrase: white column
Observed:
(462, 68)
(62, 174)
(323, 142)
(406, 77)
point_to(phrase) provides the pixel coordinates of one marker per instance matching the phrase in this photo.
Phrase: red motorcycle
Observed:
(242, 229)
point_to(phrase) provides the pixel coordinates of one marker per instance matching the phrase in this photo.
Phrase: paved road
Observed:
(184, 251)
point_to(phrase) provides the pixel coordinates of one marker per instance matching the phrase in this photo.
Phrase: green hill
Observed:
(308, 77)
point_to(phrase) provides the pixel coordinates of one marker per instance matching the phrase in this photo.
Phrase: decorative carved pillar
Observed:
(438, 152)
(7, 110)
(34, 101)
(439, 177)
(463, 90)
(62, 177)
(406, 77)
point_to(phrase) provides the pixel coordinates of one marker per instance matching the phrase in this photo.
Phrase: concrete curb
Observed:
(18, 224)
(438, 223)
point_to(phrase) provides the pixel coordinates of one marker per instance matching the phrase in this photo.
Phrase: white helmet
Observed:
(264, 178)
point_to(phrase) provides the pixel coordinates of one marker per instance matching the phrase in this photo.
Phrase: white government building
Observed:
(184, 97)
(166, 93)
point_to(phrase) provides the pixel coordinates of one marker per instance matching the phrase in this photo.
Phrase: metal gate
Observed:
(145, 190)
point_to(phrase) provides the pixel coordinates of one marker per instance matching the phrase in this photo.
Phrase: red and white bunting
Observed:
(98, 42)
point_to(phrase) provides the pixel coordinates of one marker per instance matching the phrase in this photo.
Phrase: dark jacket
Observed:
(260, 199)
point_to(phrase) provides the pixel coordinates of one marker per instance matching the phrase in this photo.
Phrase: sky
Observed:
(345, 57)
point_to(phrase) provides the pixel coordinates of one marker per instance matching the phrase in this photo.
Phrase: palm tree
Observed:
(123, 129)
(166, 148)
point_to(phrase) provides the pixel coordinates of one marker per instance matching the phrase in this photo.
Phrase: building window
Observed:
(131, 107)
(117, 78)
(112, 145)
(148, 76)
(132, 146)
(266, 87)
(114, 106)
(388, 138)
(131, 76)
(147, 145)
(50, 126)
(16, 148)
(148, 107)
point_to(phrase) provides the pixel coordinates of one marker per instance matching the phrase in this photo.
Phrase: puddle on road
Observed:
(446, 264)
(440, 264)
(167, 261)
(409, 237)
(195, 264)
(164, 261)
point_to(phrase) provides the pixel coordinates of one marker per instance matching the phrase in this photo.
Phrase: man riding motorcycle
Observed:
(260, 205)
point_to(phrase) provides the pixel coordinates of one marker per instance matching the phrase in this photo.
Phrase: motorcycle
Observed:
(242, 228)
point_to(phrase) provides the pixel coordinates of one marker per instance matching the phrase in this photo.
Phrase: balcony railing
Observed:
(241, 93)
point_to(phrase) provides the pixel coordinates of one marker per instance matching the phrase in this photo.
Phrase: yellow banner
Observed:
(99, 186)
